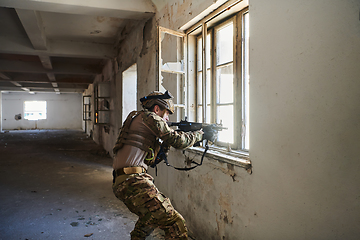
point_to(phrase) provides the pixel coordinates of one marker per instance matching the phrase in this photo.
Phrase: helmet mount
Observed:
(157, 98)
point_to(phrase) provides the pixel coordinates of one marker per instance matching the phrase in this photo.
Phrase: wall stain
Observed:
(225, 218)
(100, 19)
(147, 36)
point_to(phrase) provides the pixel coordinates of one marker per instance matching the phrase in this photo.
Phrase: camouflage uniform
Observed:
(139, 193)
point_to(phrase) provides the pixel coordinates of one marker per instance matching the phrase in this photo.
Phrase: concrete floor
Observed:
(56, 184)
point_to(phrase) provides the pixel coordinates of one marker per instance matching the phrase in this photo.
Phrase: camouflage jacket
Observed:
(176, 139)
(158, 129)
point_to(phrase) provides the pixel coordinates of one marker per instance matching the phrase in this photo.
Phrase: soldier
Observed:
(136, 148)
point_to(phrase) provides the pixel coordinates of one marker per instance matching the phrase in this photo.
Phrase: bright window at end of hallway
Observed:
(35, 110)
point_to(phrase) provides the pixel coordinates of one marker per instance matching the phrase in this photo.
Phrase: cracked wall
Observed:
(304, 127)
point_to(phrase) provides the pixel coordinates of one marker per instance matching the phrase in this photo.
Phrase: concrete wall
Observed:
(0, 112)
(64, 111)
(305, 121)
(305, 128)
(138, 47)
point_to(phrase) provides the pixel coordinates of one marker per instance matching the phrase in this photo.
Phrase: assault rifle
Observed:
(210, 130)
(210, 134)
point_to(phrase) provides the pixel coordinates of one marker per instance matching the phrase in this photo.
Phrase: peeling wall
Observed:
(137, 47)
(305, 129)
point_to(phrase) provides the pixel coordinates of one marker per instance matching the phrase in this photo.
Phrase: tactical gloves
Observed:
(210, 133)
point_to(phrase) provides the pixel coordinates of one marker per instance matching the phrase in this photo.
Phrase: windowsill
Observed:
(237, 158)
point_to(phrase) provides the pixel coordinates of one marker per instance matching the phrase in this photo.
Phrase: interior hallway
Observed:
(56, 184)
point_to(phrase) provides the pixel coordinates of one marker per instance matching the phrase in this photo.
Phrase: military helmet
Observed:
(158, 98)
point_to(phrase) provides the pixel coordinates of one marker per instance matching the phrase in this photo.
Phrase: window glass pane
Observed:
(199, 54)
(171, 45)
(225, 84)
(208, 52)
(199, 114)
(175, 85)
(208, 94)
(34, 110)
(225, 115)
(199, 97)
(199, 88)
(224, 44)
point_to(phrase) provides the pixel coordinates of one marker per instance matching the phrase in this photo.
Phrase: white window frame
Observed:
(230, 11)
(177, 68)
(239, 77)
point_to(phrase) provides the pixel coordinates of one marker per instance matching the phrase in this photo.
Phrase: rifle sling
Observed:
(190, 168)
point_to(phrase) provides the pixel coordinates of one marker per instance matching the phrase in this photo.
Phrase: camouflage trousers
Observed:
(141, 196)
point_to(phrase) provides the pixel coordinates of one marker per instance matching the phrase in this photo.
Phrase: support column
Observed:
(1, 112)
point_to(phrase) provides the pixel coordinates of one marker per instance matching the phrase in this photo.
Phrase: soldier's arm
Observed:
(174, 138)
(182, 140)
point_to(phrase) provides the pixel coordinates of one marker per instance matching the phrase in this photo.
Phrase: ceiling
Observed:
(59, 46)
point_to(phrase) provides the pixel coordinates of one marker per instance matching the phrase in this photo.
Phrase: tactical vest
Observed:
(146, 142)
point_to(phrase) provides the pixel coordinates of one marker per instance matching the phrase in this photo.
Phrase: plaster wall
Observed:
(137, 47)
(138, 44)
(305, 124)
(304, 133)
(64, 111)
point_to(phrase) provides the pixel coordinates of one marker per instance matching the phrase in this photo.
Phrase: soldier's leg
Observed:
(135, 192)
(167, 218)
(142, 197)
(141, 230)
(175, 228)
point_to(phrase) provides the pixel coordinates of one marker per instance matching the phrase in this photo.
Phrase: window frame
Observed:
(173, 68)
(232, 9)
(237, 20)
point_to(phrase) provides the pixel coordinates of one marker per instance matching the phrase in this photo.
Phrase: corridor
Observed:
(56, 184)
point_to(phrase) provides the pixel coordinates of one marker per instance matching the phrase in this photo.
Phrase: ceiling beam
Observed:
(69, 80)
(32, 23)
(4, 76)
(51, 77)
(17, 45)
(134, 9)
(45, 61)
(13, 88)
(36, 67)
(16, 83)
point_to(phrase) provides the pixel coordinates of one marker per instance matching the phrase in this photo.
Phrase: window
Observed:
(224, 84)
(102, 104)
(35, 110)
(207, 67)
(87, 108)
(129, 93)
(172, 69)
